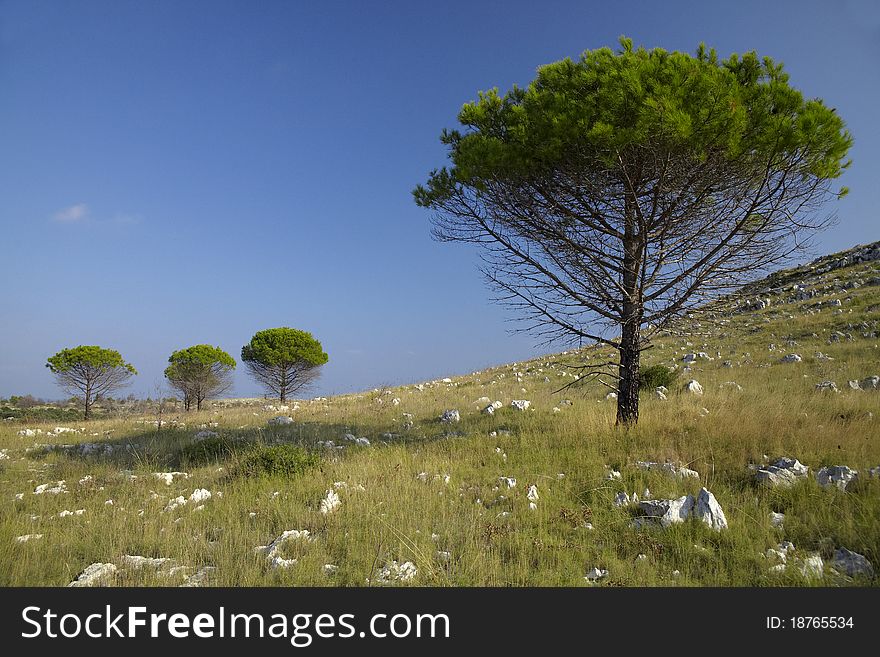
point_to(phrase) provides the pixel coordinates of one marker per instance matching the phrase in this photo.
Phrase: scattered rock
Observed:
(167, 477)
(836, 475)
(827, 386)
(59, 487)
(532, 494)
(396, 572)
(200, 495)
(180, 500)
(709, 511)
(776, 519)
(281, 420)
(693, 387)
(668, 512)
(812, 567)
(520, 404)
(870, 383)
(272, 549)
(330, 503)
(676, 470)
(138, 562)
(595, 574)
(28, 537)
(97, 574)
(852, 563)
(784, 472)
(198, 578)
(450, 416)
(791, 358)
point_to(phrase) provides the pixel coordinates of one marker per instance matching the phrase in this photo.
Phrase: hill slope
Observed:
(516, 497)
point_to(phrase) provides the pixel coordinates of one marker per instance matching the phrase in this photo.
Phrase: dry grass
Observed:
(490, 534)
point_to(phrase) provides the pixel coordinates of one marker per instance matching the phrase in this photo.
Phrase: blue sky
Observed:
(176, 173)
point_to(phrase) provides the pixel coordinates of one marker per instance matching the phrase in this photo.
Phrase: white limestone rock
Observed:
(791, 358)
(168, 477)
(199, 577)
(520, 404)
(673, 469)
(870, 383)
(668, 512)
(200, 495)
(330, 503)
(812, 567)
(97, 574)
(612, 475)
(784, 472)
(137, 562)
(836, 475)
(708, 510)
(393, 572)
(273, 549)
(450, 416)
(693, 387)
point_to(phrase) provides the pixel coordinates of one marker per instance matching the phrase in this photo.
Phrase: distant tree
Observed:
(283, 360)
(617, 192)
(91, 371)
(25, 401)
(200, 372)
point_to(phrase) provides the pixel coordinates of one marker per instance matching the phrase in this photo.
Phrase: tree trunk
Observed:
(628, 371)
(628, 376)
(88, 403)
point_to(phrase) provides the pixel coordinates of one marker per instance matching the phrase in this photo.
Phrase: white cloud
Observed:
(72, 214)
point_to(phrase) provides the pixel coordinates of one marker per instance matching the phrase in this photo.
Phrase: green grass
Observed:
(267, 479)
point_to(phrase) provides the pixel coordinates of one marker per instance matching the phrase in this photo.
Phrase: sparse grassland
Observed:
(471, 529)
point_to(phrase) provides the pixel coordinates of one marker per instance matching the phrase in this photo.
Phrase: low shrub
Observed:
(281, 460)
(209, 450)
(656, 376)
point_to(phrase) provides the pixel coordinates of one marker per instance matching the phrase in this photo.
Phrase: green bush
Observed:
(42, 414)
(656, 376)
(282, 460)
(209, 450)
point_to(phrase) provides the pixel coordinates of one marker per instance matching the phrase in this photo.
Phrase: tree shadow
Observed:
(174, 448)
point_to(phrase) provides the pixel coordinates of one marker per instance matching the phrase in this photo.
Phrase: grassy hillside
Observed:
(437, 495)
